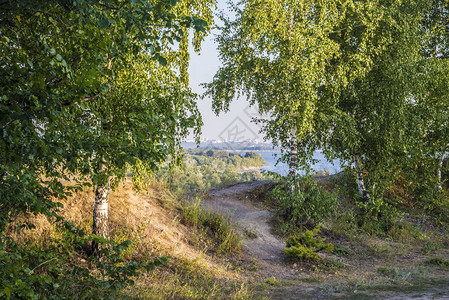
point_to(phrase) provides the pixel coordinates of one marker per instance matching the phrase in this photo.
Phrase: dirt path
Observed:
(267, 249)
(260, 243)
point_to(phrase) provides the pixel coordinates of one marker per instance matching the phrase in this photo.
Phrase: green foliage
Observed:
(305, 247)
(270, 54)
(301, 253)
(63, 271)
(378, 216)
(74, 92)
(374, 92)
(311, 205)
(437, 261)
(341, 251)
(85, 84)
(214, 224)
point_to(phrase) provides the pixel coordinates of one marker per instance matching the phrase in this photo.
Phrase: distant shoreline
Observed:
(250, 150)
(234, 150)
(251, 169)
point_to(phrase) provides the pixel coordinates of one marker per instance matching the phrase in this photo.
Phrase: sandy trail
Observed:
(266, 248)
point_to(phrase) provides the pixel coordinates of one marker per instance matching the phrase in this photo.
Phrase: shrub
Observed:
(312, 205)
(301, 252)
(306, 246)
(437, 261)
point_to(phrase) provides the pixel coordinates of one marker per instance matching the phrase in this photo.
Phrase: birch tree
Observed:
(88, 88)
(434, 100)
(277, 53)
(372, 119)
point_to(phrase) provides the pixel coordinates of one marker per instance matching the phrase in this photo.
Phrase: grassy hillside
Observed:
(332, 250)
(158, 224)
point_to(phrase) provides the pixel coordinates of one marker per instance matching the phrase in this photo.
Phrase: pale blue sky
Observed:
(234, 125)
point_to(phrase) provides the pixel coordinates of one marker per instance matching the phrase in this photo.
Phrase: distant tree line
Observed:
(205, 169)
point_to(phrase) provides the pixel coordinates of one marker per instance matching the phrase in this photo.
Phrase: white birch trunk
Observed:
(440, 166)
(100, 217)
(360, 182)
(293, 165)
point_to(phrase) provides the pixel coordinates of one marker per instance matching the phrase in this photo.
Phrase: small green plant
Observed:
(301, 253)
(430, 246)
(272, 281)
(249, 233)
(340, 250)
(305, 247)
(437, 261)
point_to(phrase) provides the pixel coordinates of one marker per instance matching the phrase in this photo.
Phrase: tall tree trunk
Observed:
(360, 182)
(293, 165)
(440, 166)
(100, 217)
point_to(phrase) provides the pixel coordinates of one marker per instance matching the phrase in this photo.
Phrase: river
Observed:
(271, 158)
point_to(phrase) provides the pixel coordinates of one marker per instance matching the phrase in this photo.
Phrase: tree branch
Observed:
(83, 100)
(53, 15)
(109, 7)
(88, 99)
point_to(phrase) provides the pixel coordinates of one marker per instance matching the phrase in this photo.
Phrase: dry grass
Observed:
(151, 221)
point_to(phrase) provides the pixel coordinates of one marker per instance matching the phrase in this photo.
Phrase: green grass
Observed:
(188, 279)
(215, 225)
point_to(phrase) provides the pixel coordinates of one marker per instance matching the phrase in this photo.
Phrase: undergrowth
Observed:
(215, 225)
(145, 233)
(305, 246)
(62, 270)
(190, 279)
(437, 261)
(312, 205)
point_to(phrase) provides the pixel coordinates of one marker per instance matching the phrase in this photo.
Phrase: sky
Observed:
(235, 125)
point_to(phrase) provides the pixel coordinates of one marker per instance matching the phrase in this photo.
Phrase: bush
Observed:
(300, 253)
(305, 247)
(312, 205)
(437, 261)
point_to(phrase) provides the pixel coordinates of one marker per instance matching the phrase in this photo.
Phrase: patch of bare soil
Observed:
(357, 278)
